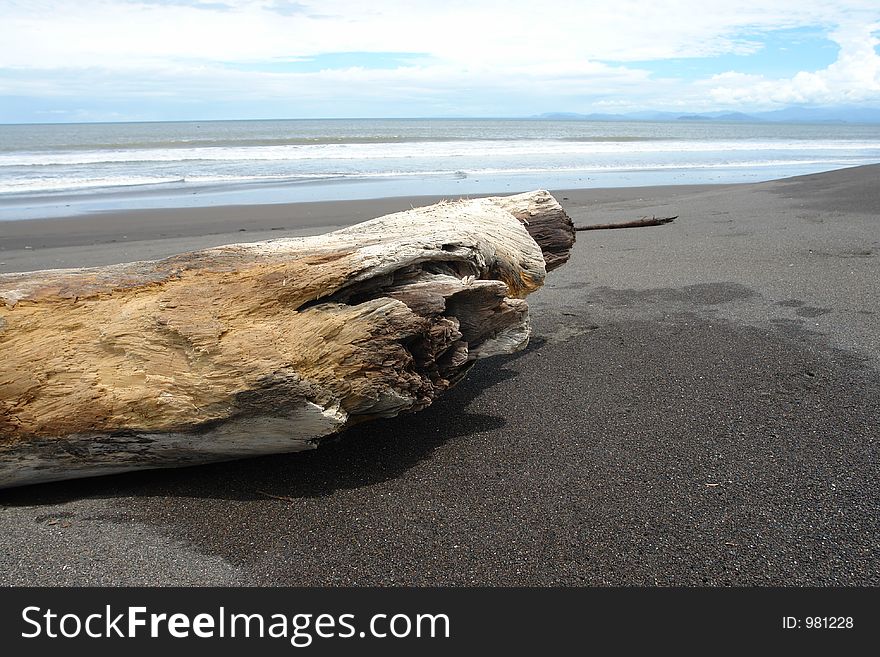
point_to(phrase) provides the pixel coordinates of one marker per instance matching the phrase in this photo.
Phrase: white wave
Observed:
(423, 150)
(26, 185)
(71, 183)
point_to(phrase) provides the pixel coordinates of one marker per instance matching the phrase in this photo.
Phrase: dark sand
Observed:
(699, 405)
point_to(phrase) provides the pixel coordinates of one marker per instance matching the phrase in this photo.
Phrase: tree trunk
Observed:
(265, 347)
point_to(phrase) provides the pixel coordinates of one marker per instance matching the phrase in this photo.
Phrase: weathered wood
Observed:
(263, 347)
(635, 223)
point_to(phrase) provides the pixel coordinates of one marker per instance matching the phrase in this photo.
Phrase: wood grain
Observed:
(263, 347)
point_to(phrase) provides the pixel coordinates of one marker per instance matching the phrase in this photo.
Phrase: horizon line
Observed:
(672, 117)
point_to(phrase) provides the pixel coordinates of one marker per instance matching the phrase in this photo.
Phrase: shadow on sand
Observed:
(361, 456)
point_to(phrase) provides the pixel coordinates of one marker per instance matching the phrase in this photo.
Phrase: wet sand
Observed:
(699, 405)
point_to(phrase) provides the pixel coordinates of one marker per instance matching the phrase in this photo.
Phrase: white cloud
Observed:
(853, 78)
(87, 32)
(112, 33)
(515, 54)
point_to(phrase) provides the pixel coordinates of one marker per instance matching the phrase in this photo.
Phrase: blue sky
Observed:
(105, 60)
(777, 53)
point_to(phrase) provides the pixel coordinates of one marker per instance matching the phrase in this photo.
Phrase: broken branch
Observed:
(635, 223)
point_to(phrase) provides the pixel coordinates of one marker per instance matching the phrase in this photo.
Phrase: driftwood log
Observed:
(265, 347)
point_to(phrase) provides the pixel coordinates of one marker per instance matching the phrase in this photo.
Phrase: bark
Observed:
(264, 347)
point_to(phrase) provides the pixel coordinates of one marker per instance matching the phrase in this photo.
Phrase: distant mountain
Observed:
(823, 115)
(788, 115)
(647, 116)
(651, 116)
(574, 116)
(720, 116)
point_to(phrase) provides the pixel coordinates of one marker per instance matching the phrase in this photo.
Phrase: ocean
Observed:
(63, 169)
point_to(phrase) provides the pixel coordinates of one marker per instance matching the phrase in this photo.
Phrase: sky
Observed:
(133, 60)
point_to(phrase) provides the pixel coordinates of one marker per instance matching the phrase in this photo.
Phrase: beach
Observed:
(698, 406)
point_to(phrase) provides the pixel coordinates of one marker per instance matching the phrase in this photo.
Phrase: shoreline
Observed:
(169, 196)
(101, 238)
